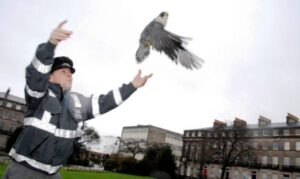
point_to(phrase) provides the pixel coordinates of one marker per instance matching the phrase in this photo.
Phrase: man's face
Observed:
(63, 77)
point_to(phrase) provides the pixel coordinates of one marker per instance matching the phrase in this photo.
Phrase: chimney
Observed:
(239, 122)
(219, 124)
(291, 119)
(263, 121)
(7, 93)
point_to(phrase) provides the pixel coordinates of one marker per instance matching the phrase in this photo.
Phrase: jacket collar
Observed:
(57, 90)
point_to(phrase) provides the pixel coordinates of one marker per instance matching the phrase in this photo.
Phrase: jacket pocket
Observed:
(63, 149)
(42, 146)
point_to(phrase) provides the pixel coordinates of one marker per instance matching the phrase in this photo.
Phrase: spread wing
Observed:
(172, 45)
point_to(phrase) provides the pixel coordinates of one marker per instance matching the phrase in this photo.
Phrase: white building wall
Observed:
(135, 133)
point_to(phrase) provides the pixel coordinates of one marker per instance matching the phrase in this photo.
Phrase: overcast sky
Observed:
(251, 51)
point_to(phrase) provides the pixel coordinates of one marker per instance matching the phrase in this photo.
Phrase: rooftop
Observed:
(12, 98)
(256, 126)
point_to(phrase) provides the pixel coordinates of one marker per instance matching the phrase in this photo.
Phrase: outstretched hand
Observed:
(140, 81)
(59, 34)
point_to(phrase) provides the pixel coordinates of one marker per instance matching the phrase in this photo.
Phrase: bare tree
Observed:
(132, 146)
(229, 146)
(89, 136)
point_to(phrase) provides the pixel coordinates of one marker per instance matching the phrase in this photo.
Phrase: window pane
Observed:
(1, 125)
(8, 104)
(275, 161)
(274, 176)
(275, 133)
(265, 160)
(208, 134)
(286, 161)
(265, 146)
(193, 134)
(298, 146)
(18, 107)
(275, 146)
(286, 145)
(297, 132)
(255, 145)
(298, 161)
(187, 134)
(199, 134)
(236, 174)
(286, 132)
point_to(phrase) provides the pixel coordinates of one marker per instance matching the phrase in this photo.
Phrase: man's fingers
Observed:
(60, 36)
(148, 76)
(60, 25)
(61, 33)
(68, 32)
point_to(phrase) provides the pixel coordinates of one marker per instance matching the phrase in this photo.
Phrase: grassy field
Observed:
(89, 175)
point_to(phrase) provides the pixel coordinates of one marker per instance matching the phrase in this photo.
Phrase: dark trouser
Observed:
(15, 170)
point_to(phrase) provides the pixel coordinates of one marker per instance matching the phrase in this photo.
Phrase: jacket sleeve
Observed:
(100, 104)
(37, 74)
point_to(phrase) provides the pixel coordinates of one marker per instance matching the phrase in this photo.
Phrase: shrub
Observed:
(128, 165)
(111, 164)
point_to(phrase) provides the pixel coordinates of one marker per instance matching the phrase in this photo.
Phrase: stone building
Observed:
(12, 110)
(275, 148)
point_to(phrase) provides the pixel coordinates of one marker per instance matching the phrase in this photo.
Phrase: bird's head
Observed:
(162, 18)
(163, 14)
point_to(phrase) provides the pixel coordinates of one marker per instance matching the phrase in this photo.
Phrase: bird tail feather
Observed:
(188, 59)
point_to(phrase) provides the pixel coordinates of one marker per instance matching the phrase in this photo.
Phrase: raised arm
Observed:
(100, 104)
(38, 71)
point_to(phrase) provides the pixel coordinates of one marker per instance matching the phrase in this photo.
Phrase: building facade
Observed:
(12, 109)
(275, 148)
(150, 135)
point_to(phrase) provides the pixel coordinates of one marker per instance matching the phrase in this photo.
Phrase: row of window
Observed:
(254, 133)
(277, 146)
(263, 176)
(215, 172)
(245, 175)
(11, 105)
(286, 161)
(286, 146)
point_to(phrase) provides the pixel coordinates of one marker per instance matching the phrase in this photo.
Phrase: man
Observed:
(55, 116)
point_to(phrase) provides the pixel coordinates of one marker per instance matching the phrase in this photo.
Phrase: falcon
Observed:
(154, 35)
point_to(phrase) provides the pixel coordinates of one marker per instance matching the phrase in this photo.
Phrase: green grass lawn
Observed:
(65, 174)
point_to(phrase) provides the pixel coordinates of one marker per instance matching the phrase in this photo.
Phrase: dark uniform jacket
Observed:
(54, 119)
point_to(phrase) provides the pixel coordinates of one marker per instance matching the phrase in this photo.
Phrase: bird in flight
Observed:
(154, 35)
